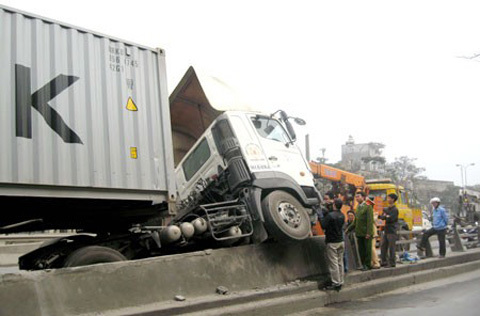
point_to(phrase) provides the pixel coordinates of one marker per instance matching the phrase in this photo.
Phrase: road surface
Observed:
(458, 295)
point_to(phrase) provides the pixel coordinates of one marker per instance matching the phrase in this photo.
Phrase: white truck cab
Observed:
(247, 179)
(240, 171)
(265, 146)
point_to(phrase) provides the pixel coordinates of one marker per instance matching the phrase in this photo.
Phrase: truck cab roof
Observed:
(194, 104)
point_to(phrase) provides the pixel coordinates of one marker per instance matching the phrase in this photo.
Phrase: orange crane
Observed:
(337, 175)
(343, 184)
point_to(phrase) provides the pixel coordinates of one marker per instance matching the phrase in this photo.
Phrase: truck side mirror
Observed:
(299, 121)
(289, 126)
(290, 130)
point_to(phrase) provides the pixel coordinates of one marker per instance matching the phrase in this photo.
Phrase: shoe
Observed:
(366, 269)
(441, 257)
(389, 266)
(326, 285)
(420, 248)
(333, 288)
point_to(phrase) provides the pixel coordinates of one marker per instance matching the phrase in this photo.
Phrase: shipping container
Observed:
(83, 115)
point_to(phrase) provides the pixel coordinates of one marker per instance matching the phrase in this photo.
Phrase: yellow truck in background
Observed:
(346, 184)
(409, 212)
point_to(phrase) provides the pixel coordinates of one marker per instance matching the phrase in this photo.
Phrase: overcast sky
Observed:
(381, 71)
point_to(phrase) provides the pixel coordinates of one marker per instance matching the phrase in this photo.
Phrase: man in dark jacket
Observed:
(332, 223)
(390, 216)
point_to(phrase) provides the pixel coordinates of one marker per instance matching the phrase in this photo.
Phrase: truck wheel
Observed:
(285, 217)
(92, 255)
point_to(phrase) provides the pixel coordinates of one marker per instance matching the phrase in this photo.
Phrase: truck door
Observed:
(282, 154)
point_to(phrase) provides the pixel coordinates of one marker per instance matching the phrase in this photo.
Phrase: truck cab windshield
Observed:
(381, 193)
(271, 129)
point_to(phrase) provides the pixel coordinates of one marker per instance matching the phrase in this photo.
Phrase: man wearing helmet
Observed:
(440, 221)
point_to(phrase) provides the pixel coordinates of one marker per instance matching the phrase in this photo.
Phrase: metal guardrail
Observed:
(468, 235)
(454, 239)
(408, 233)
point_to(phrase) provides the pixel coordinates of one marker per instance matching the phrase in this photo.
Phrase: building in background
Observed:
(446, 190)
(366, 159)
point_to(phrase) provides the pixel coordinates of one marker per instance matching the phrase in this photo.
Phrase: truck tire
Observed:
(285, 217)
(92, 255)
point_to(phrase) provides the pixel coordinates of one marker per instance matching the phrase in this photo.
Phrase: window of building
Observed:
(196, 159)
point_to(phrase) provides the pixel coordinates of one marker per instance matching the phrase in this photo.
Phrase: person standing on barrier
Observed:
(375, 258)
(332, 223)
(440, 222)
(363, 225)
(390, 216)
(350, 218)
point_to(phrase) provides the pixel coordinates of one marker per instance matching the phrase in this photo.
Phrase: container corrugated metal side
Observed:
(82, 114)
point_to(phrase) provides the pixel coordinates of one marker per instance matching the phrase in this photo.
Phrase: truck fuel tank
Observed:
(188, 230)
(200, 225)
(170, 234)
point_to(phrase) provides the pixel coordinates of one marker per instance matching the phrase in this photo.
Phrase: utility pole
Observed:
(465, 168)
(461, 174)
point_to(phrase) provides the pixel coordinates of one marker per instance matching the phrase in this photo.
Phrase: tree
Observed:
(450, 199)
(403, 171)
(377, 159)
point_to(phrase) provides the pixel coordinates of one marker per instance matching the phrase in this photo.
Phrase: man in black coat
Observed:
(332, 223)
(390, 216)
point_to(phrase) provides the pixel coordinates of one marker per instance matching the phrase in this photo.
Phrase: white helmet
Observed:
(435, 199)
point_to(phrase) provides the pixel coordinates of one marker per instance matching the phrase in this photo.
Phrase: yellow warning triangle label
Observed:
(131, 105)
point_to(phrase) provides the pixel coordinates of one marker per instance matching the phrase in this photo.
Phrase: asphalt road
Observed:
(458, 295)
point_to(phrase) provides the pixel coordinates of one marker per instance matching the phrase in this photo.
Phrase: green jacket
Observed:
(363, 223)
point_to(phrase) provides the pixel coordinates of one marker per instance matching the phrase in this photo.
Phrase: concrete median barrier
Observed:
(116, 286)
(9, 254)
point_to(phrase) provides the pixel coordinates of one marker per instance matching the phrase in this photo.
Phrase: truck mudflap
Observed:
(252, 197)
